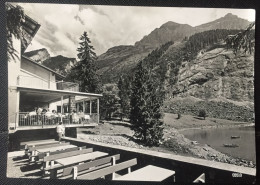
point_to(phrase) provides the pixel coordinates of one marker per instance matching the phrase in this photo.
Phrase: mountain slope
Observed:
(60, 64)
(229, 21)
(169, 31)
(121, 59)
(216, 80)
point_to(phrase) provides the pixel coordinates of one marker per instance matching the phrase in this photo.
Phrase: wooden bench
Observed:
(33, 148)
(62, 163)
(35, 151)
(74, 171)
(48, 161)
(109, 170)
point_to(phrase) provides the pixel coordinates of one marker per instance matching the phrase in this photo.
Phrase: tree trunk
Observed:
(145, 136)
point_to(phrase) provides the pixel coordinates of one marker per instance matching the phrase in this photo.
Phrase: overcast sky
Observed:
(108, 26)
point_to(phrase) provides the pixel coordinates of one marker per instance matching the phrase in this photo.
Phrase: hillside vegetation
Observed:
(203, 68)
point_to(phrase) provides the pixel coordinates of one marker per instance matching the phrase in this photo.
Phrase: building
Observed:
(32, 86)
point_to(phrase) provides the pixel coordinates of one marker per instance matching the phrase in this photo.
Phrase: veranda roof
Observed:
(47, 95)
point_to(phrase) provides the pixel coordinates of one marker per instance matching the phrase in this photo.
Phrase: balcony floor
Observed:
(54, 126)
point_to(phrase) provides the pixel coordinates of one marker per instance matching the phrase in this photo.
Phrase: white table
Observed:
(80, 158)
(147, 173)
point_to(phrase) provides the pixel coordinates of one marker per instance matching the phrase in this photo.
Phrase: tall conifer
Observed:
(146, 100)
(84, 72)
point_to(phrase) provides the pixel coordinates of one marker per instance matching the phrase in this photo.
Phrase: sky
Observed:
(108, 26)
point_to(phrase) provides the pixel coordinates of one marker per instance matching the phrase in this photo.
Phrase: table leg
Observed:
(173, 178)
(32, 159)
(53, 174)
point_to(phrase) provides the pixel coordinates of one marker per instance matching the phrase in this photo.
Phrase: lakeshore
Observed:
(117, 132)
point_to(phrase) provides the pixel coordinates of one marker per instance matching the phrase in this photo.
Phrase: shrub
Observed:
(202, 113)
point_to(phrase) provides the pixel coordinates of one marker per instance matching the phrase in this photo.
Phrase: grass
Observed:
(188, 121)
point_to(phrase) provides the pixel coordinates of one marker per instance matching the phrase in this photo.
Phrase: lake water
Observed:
(218, 136)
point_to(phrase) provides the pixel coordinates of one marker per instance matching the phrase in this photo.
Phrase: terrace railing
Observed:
(26, 119)
(41, 83)
(69, 86)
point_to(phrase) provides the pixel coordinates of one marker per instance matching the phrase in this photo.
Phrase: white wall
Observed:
(35, 76)
(13, 94)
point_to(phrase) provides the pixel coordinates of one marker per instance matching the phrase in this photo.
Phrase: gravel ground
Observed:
(19, 167)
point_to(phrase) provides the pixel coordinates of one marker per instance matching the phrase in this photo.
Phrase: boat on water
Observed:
(230, 145)
(235, 137)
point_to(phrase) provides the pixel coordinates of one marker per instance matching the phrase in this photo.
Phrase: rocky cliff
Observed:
(217, 81)
(38, 55)
(59, 63)
(217, 73)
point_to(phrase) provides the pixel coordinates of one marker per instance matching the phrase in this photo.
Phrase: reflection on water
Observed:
(219, 136)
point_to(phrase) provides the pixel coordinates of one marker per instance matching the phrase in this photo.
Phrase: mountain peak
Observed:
(170, 24)
(230, 15)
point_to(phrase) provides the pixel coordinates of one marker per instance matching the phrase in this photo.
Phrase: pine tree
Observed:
(86, 51)
(84, 72)
(244, 40)
(109, 102)
(124, 86)
(146, 101)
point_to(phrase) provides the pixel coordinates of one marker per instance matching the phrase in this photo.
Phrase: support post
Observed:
(61, 107)
(83, 106)
(17, 109)
(98, 111)
(90, 107)
(49, 82)
(77, 106)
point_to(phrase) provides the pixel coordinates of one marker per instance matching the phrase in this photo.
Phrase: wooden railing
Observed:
(26, 119)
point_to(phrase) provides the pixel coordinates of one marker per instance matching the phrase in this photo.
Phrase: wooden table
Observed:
(148, 173)
(80, 158)
(36, 141)
(52, 149)
(41, 142)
